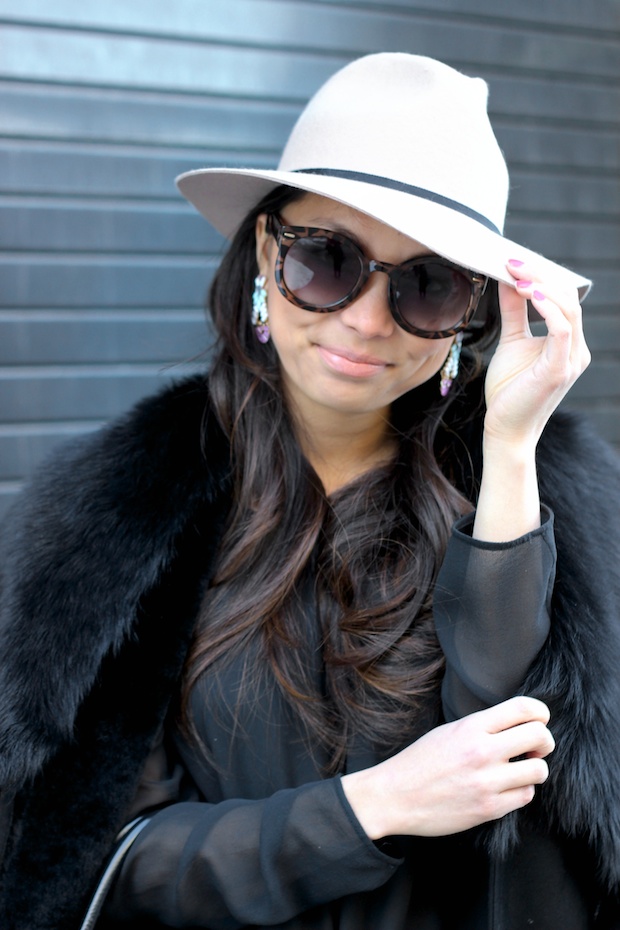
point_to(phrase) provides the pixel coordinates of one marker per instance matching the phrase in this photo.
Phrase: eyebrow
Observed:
(322, 223)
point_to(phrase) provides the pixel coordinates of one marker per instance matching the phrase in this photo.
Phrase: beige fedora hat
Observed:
(405, 139)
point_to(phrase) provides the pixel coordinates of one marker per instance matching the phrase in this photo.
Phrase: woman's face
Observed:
(355, 360)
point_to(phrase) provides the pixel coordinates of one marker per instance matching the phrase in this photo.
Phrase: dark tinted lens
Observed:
(321, 271)
(432, 296)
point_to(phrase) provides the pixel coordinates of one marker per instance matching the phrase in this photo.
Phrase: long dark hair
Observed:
(368, 556)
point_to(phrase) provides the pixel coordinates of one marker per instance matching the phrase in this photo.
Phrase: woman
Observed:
(303, 614)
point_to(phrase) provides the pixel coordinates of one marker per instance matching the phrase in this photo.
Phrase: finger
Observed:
(562, 341)
(531, 739)
(529, 281)
(517, 784)
(561, 311)
(514, 799)
(513, 311)
(511, 713)
(525, 772)
(565, 328)
(566, 348)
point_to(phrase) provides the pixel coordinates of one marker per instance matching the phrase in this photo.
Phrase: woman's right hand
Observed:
(458, 775)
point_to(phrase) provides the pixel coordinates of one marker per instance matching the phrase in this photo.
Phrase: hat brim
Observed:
(224, 196)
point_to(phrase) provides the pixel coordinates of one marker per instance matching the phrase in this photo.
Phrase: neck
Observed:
(341, 447)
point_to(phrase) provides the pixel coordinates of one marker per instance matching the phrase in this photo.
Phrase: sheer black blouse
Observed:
(250, 833)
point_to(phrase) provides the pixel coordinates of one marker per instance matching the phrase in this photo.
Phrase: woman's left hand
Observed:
(529, 375)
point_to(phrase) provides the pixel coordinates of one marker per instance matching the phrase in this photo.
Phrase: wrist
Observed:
(508, 503)
(509, 450)
(509, 443)
(367, 803)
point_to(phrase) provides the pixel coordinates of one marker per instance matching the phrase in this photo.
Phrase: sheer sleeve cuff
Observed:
(463, 528)
(492, 606)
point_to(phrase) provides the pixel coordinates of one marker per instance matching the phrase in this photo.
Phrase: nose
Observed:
(369, 314)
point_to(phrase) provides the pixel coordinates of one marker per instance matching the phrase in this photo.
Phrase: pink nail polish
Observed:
(524, 283)
(515, 262)
(538, 295)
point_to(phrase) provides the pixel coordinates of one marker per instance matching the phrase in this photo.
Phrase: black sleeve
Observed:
(240, 862)
(492, 607)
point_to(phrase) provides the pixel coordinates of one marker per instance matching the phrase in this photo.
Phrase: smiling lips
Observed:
(349, 363)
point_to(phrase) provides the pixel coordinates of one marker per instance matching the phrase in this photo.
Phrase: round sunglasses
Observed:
(321, 270)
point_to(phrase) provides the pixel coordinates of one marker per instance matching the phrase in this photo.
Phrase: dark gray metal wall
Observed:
(102, 102)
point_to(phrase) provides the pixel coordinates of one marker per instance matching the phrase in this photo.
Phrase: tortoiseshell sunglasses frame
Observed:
(286, 236)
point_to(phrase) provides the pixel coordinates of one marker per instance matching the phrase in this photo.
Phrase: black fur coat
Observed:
(104, 562)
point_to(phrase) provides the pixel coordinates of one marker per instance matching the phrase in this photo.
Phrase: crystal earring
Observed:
(451, 365)
(260, 314)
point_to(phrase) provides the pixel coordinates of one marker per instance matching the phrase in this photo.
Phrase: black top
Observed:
(251, 833)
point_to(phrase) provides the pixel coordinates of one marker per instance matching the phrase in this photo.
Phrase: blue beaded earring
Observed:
(451, 366)
(260, 314)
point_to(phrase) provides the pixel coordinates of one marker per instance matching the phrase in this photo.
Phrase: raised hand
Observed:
(526, 379)
(529, 375)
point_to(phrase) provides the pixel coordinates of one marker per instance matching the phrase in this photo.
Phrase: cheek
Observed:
(287, 325)
(427, 355)
(280, 320)
(290, 325)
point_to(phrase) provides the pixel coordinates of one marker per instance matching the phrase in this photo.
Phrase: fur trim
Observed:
(94, 532)
(578, 672)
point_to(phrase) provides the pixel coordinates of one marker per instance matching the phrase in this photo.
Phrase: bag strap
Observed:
(124, 841)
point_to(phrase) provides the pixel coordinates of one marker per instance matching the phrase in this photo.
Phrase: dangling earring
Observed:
(451, 365)
(260, 314)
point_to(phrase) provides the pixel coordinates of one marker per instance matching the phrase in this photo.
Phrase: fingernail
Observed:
(538, 295)
(524, 283)
(515, 262)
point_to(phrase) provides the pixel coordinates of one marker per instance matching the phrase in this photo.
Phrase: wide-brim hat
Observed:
(404, 139)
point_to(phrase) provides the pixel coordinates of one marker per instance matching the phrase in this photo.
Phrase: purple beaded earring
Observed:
(260, 314)
(451, 366)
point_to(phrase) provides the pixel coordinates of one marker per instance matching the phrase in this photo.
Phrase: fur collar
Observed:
(112, 517)
(94, 532)
(578, 672)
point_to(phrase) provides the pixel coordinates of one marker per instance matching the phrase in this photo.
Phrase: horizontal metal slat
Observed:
(8, 494)
(529, 14)
(263, 20)
(606, 286)
(600, 381)
(138, 227)
(95, 282)
(560, 146)
(603, 333)
(34, 53)
(21, 450)
(79, 395)
(78, 169)
(34, 111)
(62, 339)
(569, 242)
(589, 194)
(318, 34)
